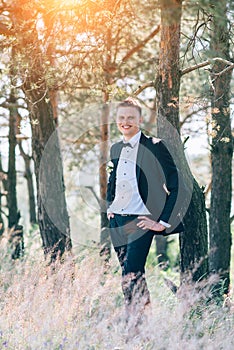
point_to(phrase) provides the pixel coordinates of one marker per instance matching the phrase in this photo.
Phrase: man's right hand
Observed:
(110, 215)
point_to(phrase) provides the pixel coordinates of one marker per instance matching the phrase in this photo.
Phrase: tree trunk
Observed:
(221, 151)
(193, 242)
(15, 237)
(11, 176)
(105, 240)
(53, 217)
(104, 152)
(16, 241)
(168, 77)
(29, 178)
(2, 176)
(1, 218)
(31, 194)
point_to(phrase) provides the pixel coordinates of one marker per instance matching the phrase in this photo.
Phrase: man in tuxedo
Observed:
(141, 195)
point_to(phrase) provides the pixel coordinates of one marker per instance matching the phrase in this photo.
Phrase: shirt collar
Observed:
(134, 140)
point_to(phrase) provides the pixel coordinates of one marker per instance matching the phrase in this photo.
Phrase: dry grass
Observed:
(80, 307)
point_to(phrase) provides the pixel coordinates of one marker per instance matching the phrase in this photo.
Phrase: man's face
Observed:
(128, 121)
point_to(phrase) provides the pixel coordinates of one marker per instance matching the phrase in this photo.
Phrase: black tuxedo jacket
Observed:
(157, 178)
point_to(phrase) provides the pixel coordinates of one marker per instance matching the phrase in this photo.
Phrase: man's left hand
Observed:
(146, 223)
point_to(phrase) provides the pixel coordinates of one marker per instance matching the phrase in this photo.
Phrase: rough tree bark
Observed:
(221, 151)
(29, 178)
(53, 217)
(11, 175)
(104, 151)
(1, 218)
(16, 239)
(2, 194)
(193, 242)
(103, 158)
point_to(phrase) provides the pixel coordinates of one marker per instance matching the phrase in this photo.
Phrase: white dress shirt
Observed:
(127, 197)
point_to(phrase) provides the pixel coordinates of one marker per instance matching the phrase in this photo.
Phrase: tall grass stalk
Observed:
(79, 305)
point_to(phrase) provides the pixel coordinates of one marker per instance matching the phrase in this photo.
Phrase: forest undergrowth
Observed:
(78, 304)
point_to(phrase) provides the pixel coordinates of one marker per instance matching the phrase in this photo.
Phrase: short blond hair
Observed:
(130, 102)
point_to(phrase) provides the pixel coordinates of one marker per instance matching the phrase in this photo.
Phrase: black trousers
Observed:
(132, 246)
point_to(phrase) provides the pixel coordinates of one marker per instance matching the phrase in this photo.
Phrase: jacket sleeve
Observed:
(171, 175)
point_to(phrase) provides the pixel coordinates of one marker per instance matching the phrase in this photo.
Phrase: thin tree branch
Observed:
(196, 66)
(225, 70)
(141, 44)
(22, 152)
(94, 193)
(190, 69)
(207, 63)
(222, 60)
(8, 105)
(188, 116)
(143, 87)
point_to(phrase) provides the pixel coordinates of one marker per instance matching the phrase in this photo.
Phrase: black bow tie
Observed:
(127, 144)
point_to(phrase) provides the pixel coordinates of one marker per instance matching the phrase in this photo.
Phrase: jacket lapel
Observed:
(117, 150)
(140, 154)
